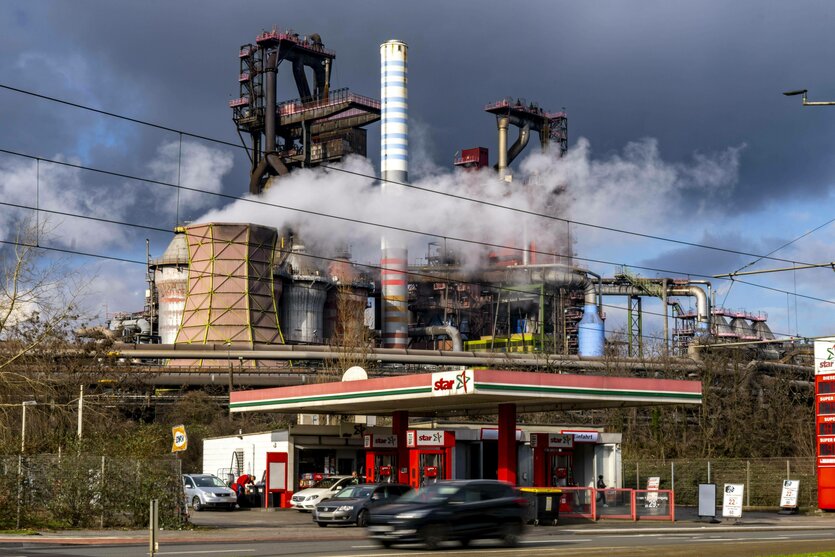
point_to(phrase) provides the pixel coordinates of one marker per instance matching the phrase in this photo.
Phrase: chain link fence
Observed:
(87, 491)
(763, 478)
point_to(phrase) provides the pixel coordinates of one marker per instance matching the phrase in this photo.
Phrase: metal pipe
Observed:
(452, 332)
(520, 143)
(502, 122)
(270, 71)
(440, 357)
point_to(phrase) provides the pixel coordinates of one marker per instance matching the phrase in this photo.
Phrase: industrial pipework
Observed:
(591, 333)
(527, 117)
(394, 162)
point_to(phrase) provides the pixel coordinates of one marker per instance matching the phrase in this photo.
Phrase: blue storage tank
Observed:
(590, 334)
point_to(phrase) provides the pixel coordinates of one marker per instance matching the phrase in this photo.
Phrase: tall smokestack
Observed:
(394, 162)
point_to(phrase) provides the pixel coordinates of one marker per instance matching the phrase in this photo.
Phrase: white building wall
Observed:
(218, 452)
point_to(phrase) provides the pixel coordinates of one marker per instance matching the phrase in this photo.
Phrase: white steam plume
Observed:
(636, 186)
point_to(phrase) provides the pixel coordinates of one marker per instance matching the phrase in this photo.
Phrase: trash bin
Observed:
(543, 504)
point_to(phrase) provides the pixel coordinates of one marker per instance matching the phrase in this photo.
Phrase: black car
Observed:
(352, 504)
(461, 510)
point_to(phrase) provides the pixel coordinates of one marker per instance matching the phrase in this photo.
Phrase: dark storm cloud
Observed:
(699, 77)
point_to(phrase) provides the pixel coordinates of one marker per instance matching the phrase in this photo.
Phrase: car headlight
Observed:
(411, 515)
(344, 508)
(312, 497)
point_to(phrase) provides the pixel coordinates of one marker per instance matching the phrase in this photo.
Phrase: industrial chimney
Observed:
(394, 162)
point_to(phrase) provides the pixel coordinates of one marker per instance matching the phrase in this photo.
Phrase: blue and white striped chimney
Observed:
(394, 166)
(395, 104)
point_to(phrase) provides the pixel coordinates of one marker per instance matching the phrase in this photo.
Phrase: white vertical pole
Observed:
(153, 527)
(80, 410)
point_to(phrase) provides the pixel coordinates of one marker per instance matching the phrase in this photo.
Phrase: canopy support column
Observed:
(399, 425)
(507, 443)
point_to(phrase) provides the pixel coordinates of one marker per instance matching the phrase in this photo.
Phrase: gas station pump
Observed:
(380, 458)
(430, 456)
(553, 459)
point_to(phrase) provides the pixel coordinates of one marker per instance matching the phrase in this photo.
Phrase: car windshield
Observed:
(324, 484)
(208, 481)
(430, 494)
(355, 492)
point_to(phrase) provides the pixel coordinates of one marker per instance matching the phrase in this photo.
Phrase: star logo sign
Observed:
(461, 381)
(830, 353)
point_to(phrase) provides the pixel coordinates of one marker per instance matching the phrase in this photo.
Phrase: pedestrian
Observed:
(601, 493)
(354, 478)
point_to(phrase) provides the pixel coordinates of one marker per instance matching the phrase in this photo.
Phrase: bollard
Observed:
(153, 527)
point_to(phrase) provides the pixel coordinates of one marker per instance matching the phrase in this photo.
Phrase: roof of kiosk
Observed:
(468, 392)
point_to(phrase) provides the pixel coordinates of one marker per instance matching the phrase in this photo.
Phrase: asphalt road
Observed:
(742, 544)
(289, 533)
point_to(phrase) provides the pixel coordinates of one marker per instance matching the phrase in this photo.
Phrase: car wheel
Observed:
(196, 504)
(433, 536)
(322, 524)
(511, 532)
(362, 518)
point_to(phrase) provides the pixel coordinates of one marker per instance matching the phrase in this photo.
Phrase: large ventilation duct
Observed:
(702, 306)
(519, 144)
(591, 333)
(436, 330)
(394, 160)
(271, 163)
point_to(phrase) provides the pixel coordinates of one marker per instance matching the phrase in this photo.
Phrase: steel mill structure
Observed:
(246, 285)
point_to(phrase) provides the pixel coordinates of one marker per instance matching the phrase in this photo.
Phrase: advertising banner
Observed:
(788, 499)
(732, 501)
(180, 443)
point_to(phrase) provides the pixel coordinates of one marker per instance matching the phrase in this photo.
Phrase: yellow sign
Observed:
(180, 440)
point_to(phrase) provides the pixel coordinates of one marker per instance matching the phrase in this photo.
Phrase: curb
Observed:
(58, 540)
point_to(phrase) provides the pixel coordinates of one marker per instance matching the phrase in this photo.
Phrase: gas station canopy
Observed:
(468, 392)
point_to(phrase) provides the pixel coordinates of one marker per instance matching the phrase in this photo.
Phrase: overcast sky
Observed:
(677, 127)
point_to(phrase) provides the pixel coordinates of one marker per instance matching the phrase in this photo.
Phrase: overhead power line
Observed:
(412, 186)
(370, 177)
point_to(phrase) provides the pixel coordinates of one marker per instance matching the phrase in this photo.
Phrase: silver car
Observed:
(205, 491)
(352, 504)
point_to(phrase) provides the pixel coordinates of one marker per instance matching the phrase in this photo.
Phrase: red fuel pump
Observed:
(380, 458)
(553, 459)
(430, 456)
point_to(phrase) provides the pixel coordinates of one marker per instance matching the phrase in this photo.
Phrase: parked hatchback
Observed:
(461, 510)
(205, 491)
(353, 504)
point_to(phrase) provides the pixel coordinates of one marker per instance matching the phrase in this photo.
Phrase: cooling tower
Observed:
(171, 279)
(230, 295)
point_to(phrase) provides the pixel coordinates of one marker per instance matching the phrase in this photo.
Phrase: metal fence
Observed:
(87, 491)
(763, 478)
